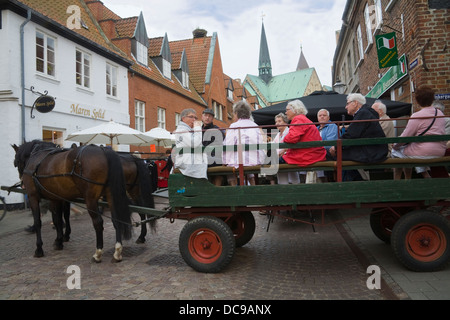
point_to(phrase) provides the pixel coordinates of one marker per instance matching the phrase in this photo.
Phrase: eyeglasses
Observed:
(349, 102)
(288, 109)
(192, 117)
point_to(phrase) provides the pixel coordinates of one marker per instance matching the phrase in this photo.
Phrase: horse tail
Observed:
(116, 184)
(145, 188)
(145, 185)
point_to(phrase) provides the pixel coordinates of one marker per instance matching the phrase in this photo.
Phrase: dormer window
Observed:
(139, 43)
(185, 79)
(141, 53)
(167, 69)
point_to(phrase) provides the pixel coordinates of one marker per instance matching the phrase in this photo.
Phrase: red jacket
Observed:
(307, 156)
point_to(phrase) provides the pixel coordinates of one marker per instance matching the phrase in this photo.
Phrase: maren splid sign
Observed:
(44, 104)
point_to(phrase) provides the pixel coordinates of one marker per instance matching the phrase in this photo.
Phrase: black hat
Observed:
(209, 111)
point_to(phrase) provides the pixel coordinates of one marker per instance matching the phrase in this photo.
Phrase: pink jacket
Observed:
(417, 126)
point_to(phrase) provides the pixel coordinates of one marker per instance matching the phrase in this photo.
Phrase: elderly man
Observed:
(387, 125)
(188, 135)
(368, 129)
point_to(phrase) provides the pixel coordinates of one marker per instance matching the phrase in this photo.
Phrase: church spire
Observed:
(265, 66)
(302, 63)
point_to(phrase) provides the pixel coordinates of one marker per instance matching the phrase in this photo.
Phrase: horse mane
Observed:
(27, 148)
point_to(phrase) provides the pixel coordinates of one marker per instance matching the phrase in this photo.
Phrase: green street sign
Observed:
(387, 50)
(390, 78)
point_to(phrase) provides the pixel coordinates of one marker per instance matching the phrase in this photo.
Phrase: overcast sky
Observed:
(289, 24)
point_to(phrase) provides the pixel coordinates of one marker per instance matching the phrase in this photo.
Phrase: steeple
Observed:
(302, 63)
(265, 66)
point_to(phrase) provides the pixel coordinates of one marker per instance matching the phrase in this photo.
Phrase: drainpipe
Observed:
(22, 67)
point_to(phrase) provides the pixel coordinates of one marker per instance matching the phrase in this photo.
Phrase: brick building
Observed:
(422, 29)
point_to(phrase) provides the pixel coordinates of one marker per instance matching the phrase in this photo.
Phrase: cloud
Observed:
(289, 24)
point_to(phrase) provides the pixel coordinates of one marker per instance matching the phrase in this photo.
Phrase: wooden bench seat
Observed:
(332, 165)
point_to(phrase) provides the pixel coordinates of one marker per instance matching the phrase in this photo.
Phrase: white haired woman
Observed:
(248, 134)
(296, 112)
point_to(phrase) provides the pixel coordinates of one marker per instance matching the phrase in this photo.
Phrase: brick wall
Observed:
(426, 38)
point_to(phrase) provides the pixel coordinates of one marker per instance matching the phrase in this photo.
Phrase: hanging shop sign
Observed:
(44, 103)
(387, 50)
(392, 76)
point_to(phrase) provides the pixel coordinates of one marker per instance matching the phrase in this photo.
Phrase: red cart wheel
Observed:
(207, 244)
(420, 240)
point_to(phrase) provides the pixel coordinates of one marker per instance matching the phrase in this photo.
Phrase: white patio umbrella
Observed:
(160, 137)
(110, 133)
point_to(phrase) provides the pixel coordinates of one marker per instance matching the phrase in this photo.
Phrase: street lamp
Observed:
(339, 86)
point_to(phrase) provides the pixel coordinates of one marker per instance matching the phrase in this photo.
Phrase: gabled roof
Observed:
(198, 55)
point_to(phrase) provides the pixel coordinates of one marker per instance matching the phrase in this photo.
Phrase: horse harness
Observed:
(53, 151)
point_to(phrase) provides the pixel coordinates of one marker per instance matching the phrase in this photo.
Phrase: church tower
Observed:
(265, 65)
(302, 63)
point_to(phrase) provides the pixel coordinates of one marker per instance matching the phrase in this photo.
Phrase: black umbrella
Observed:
(330, 100)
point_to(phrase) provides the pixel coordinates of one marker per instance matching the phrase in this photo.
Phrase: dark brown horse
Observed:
(59, 175)
(139, 187)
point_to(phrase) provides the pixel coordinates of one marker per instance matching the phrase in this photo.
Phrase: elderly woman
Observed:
(419, 127)
(296, 112)
(243, 131)
(188, 135)
(282, 121)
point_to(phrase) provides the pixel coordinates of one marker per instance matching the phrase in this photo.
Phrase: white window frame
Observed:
(360, 45)
(83, 73)
(139, 115)
(142, 53)
(379, 16)
(368, 27)
(111, 80)
(48, 59)
(185, 79)
(177, 119)
(161, 118)
(218, 111)
(167, 69)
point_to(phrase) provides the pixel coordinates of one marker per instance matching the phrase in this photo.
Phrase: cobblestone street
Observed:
(288, 262)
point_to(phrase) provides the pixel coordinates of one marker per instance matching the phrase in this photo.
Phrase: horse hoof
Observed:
(38, 253)
(58, 247)
(114, 260)
(140, 240)
(95, 260)
(66, 239)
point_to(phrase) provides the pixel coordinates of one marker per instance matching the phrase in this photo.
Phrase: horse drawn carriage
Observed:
(220, 218)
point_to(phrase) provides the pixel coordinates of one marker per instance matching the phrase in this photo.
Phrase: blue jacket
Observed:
(329, 132)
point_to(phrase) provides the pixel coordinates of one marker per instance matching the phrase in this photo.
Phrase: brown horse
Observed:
(60, 175)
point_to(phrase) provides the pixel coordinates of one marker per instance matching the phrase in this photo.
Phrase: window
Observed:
(53, 135)
(379, 15)
(142, 53)
(167, 69)
(161, 118)
(185, 79)
(111, 80)
(349, 64)
(83, 69)
(139, 115)
(360, 44)
(368, 26)
(217, 110)
(45, 54)
(177, 119)
(230, 94)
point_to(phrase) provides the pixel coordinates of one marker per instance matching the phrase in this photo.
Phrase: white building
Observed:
(65, 54)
